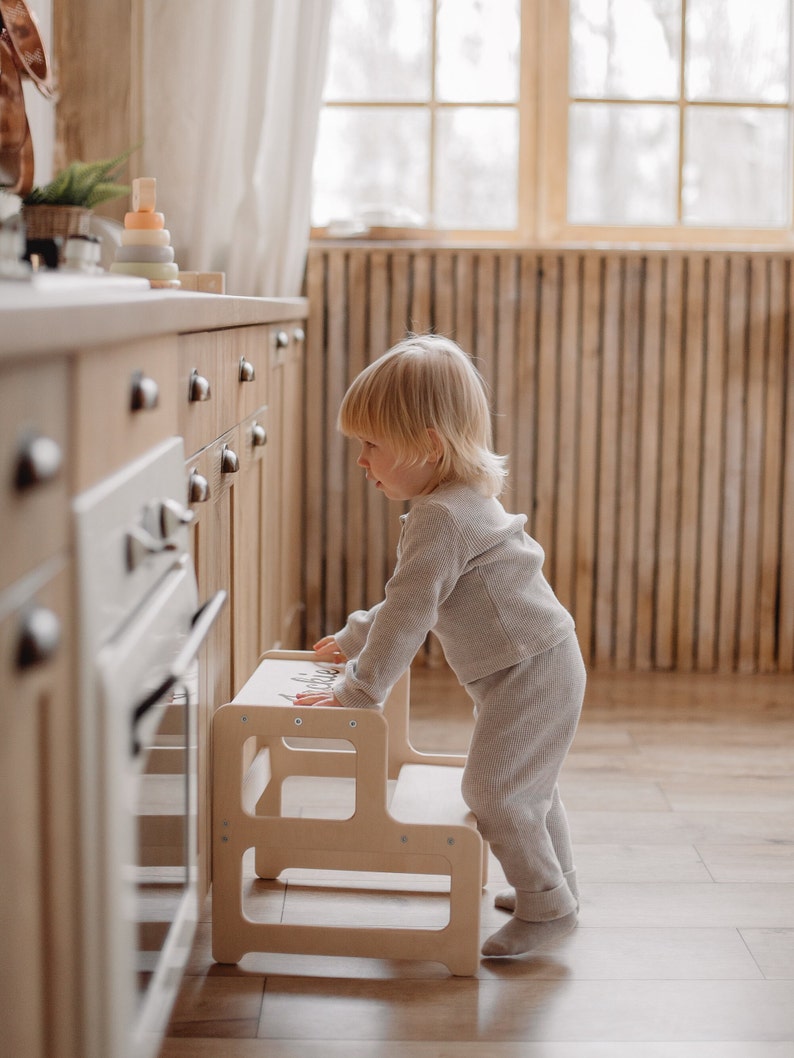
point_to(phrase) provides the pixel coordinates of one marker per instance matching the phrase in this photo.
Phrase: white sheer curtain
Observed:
(230, 95)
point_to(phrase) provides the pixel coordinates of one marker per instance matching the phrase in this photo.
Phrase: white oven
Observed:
(140, 630)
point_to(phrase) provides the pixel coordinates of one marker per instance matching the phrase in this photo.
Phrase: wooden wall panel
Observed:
(646, 403)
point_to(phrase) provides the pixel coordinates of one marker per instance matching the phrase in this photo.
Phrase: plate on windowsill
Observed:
(385, 233)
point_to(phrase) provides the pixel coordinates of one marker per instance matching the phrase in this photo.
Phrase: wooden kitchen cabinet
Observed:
(72, 418)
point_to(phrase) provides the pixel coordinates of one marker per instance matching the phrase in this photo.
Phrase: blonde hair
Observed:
(427, 382)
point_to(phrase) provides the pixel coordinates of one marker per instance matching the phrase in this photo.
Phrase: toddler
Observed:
(467, 570)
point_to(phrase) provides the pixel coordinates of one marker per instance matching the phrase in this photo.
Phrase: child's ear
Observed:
(436, 446)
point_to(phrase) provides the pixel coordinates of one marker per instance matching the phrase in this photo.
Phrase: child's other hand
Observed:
(317, 698)
(327, 649)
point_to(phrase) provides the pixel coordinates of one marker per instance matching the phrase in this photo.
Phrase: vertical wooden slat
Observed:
(648, 472)
(399, 326)
(587, 490)
(770, 501)
(335, 454)
(314, 471)
(691, 463)
(786, 619)
(483, 341)
(444, 294)
(568, 428)
(669, 494)
(732, 481)
(505, 374)
(421, 309)
(692, 368)
(606, 556)
(521, 481)
(356, 526)
(379, 342)
(710, 518)
(463, 331)
(545, 491)
(626, 543)
(752, 478)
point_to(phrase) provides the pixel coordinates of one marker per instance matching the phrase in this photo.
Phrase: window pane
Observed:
(478, 51)
(370, 160)
(476, 169)
(738, 51)
(736, 171)
(622, 164)
(380, 50)
(625, 49)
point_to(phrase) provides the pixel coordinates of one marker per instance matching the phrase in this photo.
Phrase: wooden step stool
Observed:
(424, 828)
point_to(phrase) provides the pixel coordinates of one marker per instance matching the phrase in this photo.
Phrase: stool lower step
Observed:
(429, 793)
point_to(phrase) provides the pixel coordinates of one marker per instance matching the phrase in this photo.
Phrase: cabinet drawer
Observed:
(126, 402)
(200, 389)
(35, 473)
(249, 350)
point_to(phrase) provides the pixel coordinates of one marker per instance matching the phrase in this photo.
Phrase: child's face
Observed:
(397, 482)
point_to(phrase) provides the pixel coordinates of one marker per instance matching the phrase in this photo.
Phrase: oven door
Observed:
(147, 687)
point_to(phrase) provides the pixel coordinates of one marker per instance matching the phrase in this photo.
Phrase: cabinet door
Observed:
(125, 401)
(212, 478)
(251, 570)
(38, 868)
(286, 481)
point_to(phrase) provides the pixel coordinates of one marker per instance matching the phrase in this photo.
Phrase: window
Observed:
(517, 120)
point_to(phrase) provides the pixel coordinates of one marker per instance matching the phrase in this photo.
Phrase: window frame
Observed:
(542, 157)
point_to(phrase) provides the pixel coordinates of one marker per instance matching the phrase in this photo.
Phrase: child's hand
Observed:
(316, 698)
(327, 649)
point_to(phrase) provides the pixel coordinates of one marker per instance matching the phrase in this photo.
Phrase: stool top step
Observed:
(276, 681)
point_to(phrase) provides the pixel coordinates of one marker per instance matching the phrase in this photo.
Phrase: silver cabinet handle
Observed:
(198, 488)
(39, 637)
(145, 393)
(282, 340)
(173, 516)
(299, 334)
(247, 370)
(230, 462)
(200, 388)
(141, 544)
(39, 461)
(258, 435)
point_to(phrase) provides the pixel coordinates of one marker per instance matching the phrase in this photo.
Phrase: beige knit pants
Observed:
(525, 720)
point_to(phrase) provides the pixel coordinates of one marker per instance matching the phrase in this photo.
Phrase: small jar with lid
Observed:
(82, 254)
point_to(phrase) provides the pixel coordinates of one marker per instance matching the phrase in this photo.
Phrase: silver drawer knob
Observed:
(247, 370)
(258, 435)
(39, 637)
(173, 516)
(299, 334)
(282, 340)
(230, 462)
(38, 462)
(199, 387)
(145, 393)
(198, 488)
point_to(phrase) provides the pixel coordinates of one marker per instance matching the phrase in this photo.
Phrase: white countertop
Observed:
(56, 312)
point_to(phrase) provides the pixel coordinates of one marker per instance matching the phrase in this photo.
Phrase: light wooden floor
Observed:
(680, 792)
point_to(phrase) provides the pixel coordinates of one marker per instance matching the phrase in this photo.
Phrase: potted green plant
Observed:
(63, 207)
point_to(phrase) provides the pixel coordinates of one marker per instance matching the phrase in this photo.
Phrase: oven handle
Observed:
(201, 622)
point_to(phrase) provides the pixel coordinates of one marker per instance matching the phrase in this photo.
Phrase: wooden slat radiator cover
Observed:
(646, 403)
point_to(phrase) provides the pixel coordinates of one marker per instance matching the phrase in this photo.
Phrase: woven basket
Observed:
(49, 222)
